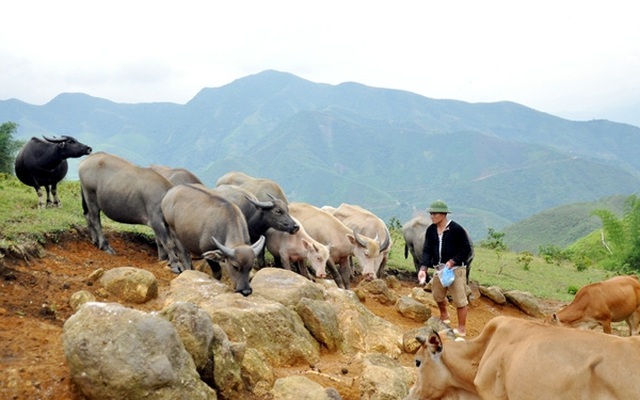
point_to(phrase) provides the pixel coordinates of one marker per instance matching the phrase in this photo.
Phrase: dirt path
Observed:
(34, 303)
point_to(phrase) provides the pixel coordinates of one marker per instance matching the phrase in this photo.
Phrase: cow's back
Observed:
(197, 214)
(362, 220)
(260, 187)
(323, 227)
(527, 360)
(124, 192)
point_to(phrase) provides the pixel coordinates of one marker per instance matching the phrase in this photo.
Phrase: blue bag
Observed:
(447, 277)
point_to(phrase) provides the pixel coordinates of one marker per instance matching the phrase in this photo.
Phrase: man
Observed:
(446, 245)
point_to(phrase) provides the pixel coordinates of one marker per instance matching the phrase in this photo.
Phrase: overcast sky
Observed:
(575, 59)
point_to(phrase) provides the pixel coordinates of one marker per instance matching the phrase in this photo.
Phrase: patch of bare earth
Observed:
(34, 304)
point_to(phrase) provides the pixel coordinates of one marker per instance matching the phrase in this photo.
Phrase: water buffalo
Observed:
(260, 187)
(260, 215)
(368, 224)
(177, 176)
(43, 163)
(344, 242)
(298, 248)
(413, 232)
(129, 194)
(211, 226)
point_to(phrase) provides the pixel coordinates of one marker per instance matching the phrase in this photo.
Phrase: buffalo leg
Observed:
(336, 275)
(54, 194)
(92, 216)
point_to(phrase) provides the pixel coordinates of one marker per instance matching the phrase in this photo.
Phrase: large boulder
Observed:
(114, 352)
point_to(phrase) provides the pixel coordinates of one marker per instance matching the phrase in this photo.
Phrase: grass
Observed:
(21, 221)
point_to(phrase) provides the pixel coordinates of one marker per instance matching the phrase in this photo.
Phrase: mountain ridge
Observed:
(391, 151)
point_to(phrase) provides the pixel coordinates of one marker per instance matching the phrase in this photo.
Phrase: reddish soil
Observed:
(34, 304)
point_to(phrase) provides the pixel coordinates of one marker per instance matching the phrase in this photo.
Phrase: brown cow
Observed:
(601, 303)
(520, 359)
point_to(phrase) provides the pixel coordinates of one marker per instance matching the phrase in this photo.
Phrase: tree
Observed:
(495, 242)
(8, 147)
(622, 237)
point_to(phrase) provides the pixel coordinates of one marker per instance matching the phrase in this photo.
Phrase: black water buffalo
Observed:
(209, 225)
(260, 215)
(43, 163)
(177, 176)
(128, 194)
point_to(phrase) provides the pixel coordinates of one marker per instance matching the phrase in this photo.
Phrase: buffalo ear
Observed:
(214, 255)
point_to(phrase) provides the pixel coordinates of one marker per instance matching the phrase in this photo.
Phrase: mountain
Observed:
(391, 151)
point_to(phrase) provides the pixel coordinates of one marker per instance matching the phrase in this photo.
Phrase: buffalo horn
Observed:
(56, 140)
(224, 249)
(387, 241)
(359, 239)
(260, 204)
(257, 246)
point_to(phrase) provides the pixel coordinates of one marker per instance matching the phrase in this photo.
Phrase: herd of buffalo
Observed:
(230, 225)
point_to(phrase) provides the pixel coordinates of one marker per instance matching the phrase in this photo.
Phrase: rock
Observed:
(285, 287)
(130, 284)
(526, 302)
(194, 287)
(494, 294)
(114, 352)
(79, 298)
(379, 291)
(321, 321)
(383, 378)
(257, 373)
(195, 328)
(276, 330)
(423, 297)
(413, 309)
(300, 388)
(362, 330)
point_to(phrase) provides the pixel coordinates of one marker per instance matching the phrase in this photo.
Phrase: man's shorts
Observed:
(457, 290)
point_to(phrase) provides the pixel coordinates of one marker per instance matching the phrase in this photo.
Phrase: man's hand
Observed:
(422, 275)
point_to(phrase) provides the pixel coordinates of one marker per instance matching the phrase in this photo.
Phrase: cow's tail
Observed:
(85, 209)
(406, 251)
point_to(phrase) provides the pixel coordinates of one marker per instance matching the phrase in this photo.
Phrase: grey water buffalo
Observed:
(262, 188)
(260, 215)
(601, 303)
(368, 224)
(43, 163)
(210, 226)
(344, 242)
(520, 359)
(129, 194)
(177, 176)
(414, 231)
(298, 248)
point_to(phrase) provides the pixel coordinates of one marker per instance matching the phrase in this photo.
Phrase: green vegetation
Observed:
(21, 222)
(8, 146)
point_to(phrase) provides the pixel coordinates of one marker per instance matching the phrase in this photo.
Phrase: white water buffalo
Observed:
(413, 232)
(208, 225)
(260, 215)
(344, 242)
(177, 176)
(519, 359)
(128, 194)
(368, 224)
(43, 163)
(260, 187)
(298, 248)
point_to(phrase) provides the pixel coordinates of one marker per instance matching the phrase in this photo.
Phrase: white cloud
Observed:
(570, 58)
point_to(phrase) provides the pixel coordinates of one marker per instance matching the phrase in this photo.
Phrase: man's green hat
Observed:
(438, 207)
